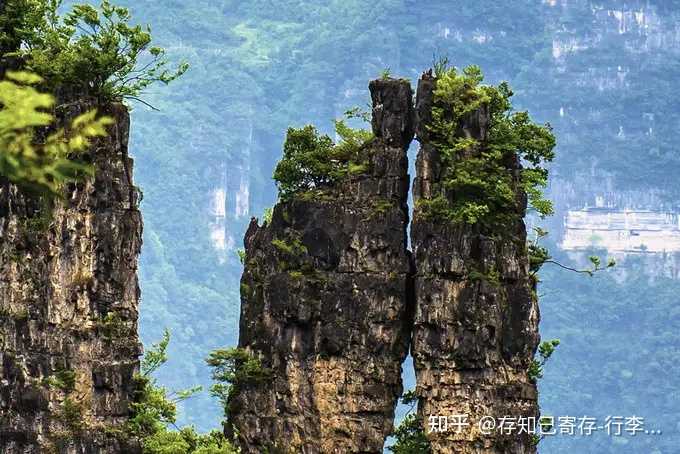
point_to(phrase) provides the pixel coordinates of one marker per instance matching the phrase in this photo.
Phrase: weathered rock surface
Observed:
(476, 320)
(324, 303)
(68, 306)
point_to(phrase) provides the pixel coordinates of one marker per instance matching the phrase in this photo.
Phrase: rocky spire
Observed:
(69, 306)
(324, 302)
(476, 318)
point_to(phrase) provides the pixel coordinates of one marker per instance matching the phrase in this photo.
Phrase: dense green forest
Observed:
(602, 74)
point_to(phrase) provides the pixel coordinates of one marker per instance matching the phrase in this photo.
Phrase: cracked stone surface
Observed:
(69, 305)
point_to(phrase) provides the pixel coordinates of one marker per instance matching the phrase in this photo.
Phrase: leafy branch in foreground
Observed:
(93, 49)
(45, 166)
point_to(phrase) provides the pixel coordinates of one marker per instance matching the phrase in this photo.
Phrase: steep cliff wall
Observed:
(68, 306)
(324, 303)
(476, 319)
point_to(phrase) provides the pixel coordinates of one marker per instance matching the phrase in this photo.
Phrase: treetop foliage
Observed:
(313, 161)
(93, 49)
(306, 161)
(479, 181)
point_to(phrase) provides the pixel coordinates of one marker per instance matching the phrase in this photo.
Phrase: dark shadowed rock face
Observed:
(476, 318)
(68, 307)
(324, 303)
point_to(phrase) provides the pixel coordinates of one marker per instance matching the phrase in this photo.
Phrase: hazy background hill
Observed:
(603, 73)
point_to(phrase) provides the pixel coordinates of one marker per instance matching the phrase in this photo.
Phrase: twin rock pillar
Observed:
(332, 301)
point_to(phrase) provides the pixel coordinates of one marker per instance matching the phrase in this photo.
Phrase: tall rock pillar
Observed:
(324, 303)
(476, 318)
(68, 306)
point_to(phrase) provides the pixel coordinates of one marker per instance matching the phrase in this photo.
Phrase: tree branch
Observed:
(588, 272)
(142, 101)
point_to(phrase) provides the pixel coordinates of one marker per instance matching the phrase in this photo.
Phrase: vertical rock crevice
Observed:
(323, 302)
(69, 305)
(476, 318)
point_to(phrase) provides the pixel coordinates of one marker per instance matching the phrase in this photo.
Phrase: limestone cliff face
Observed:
(476, 319)
(68, 306)
(324, 303)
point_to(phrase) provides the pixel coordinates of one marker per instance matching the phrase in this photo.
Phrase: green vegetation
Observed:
(535, 373)
(306, 163)
(311, 161)
(90, 51)
(62, 379)
(46, 165)
(351, 141)
(113, 326)
(232, 369)
(292, 256)
(279, 66)
(19, 315)
(71, 418)
(292, 247)
(380, 206)
(40, 220)
(492, 277)
(267, 215)
(482, 178)
(155, 408)
(545, 351)
(410, 435)
(94, 50)
(539, 256)
(479, 185)
(358, 113)
(545, 423)
(187, 441)
(71, 415)
(296, 274)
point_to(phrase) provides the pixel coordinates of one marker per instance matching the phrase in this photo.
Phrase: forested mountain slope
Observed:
(601, 72)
